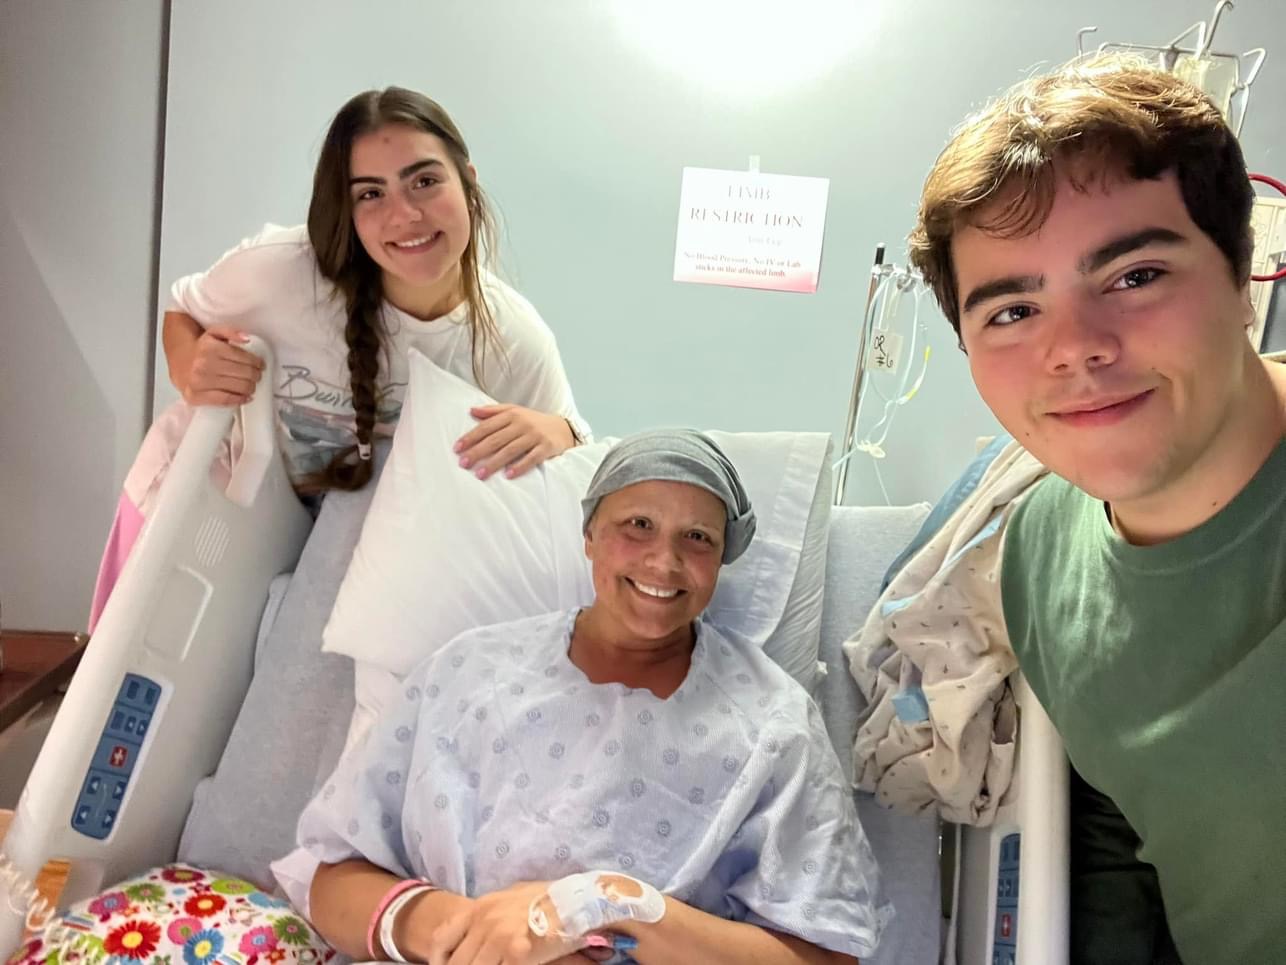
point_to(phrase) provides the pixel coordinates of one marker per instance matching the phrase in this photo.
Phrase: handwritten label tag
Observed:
(886, 351)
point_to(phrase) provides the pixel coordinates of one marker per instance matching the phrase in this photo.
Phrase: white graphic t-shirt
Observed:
(269, 286)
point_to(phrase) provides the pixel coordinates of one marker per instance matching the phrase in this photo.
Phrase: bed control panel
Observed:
(103, 791)
(1004, 947)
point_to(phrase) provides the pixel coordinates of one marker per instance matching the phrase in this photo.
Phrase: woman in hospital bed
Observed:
(621, 775)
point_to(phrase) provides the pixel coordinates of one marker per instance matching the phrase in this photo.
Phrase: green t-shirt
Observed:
(1164, 670)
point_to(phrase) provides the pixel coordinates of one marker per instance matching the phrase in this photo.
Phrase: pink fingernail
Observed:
(482, 472)
(464, 462)
(457, 447)
(509, 474)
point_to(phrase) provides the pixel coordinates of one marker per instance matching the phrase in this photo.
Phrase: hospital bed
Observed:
(205, 683)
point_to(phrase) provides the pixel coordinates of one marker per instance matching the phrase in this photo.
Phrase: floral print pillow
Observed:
(177, 915)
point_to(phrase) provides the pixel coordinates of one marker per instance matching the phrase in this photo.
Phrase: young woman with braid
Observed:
(393, 255)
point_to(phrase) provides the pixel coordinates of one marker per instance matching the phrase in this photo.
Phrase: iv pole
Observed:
(859, 373)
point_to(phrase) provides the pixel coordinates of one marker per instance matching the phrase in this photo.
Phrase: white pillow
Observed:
(442, 552)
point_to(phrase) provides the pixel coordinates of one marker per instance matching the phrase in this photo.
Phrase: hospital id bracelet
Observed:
(388, 920)
(386, 911)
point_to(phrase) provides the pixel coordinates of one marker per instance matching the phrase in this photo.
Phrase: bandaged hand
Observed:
(493, 930)
(512, 438)
(593, 901)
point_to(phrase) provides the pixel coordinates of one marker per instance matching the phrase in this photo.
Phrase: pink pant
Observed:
(125, 529)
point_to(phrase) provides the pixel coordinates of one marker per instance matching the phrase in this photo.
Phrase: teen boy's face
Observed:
(1111, 342)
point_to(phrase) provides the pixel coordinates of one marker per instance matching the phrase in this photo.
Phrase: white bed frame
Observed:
(184, 617)
(1000, 923)
(181, 627)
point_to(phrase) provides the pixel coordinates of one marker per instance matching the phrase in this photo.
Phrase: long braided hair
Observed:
(343, 261)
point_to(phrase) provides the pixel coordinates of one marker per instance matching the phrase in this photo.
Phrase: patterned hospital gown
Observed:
(504, 763)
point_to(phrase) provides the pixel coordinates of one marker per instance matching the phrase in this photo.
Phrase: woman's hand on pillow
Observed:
(493, 930)
(513, 438)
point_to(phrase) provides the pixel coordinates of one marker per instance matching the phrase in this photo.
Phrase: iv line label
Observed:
(886, 351)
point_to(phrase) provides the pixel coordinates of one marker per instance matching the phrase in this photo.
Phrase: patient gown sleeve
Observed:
(809, 868)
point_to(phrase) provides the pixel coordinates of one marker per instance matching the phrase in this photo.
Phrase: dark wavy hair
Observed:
(343, 261)
(1108, 114)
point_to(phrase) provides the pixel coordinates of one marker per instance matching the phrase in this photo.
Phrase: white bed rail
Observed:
(149, 710)
(1014, 880)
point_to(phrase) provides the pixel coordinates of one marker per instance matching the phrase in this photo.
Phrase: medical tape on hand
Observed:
(574, 906)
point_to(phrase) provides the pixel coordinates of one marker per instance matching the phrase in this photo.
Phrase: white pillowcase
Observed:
(442, 552)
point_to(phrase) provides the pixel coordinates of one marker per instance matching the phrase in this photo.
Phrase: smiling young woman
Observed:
(394, 254)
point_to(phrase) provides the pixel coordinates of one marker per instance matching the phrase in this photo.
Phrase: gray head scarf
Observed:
(677, 455)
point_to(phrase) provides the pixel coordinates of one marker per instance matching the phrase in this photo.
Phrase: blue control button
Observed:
(1005, 935)
(92, 793)
(138, 694)
(116, 756)
(1009, 852)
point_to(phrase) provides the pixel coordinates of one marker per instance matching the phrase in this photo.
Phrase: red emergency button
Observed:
(1006, 926)
(119, 756)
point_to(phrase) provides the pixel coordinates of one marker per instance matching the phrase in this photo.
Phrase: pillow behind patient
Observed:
(442, 552)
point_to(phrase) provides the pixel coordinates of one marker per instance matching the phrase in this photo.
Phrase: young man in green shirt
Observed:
(1088, 236)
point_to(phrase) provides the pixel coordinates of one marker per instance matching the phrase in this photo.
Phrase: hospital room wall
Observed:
(79, 99)
(581, 115)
